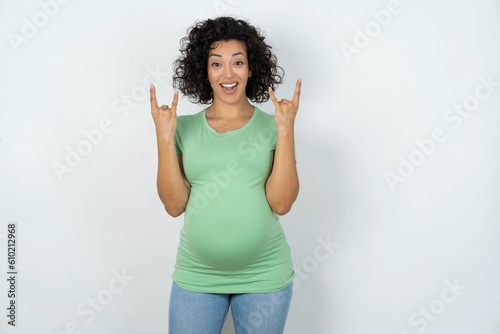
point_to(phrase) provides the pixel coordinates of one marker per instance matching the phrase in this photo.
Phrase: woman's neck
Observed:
(221, 110)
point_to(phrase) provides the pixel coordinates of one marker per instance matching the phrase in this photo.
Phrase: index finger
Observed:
(296, 94)
(152, 97)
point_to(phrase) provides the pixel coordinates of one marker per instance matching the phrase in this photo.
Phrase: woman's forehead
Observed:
(228, 46)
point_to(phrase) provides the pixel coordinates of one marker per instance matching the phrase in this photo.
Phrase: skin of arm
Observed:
(172, 185)
(282, 185)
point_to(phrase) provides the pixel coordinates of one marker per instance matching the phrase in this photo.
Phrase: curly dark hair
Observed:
(190, 69)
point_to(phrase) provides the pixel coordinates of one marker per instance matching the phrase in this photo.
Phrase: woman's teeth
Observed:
(229, 86)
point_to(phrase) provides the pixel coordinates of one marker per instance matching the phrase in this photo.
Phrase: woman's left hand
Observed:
(285, 110)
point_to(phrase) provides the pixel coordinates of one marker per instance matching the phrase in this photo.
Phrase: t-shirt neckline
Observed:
(230, 132)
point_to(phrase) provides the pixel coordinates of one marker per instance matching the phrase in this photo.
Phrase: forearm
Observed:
(173, 188)
(282, 186)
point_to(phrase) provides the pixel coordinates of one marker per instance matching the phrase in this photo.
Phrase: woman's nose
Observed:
(228, 72)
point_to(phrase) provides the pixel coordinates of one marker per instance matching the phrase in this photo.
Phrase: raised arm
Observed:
(173, 187)
(282, 186)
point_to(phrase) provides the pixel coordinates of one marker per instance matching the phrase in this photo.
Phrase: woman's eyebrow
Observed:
(234, 54)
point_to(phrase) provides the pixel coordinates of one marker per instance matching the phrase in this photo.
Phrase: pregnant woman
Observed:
(230, 168)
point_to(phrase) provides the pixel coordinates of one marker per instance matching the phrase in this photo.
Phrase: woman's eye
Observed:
(238, 63)
(215, 64)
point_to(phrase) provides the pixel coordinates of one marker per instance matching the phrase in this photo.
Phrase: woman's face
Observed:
(228, 71)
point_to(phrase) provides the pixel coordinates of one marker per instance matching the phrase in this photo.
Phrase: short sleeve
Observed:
(178, 136)
(177, 146)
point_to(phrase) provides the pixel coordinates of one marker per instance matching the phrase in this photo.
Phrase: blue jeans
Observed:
(204, 313)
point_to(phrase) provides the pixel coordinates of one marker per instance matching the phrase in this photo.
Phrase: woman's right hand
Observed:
(165, 118)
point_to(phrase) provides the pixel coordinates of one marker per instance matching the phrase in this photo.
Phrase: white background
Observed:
(360, 116)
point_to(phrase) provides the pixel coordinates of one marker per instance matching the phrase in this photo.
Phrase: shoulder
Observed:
(263, 114)
(264, 120)
(185, 122)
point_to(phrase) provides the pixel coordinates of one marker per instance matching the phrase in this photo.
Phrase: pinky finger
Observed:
(272, 96)
(152, 97)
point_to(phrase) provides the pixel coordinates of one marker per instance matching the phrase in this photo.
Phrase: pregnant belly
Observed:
(228, 239)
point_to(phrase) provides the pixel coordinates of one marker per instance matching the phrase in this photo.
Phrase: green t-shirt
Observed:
(231, 240)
